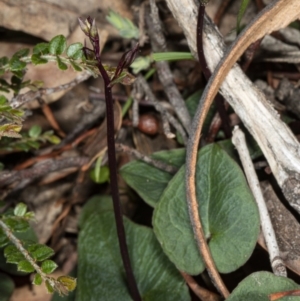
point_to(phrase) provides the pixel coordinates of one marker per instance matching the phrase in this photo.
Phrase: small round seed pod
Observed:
(148, 124)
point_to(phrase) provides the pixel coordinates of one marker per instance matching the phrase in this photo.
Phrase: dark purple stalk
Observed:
(207, 74)
(114, 185)
(89, 28)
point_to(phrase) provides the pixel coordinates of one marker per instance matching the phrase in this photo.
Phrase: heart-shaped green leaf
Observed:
(228, 212)
(258, 286)
(148, 181)
(101, 273)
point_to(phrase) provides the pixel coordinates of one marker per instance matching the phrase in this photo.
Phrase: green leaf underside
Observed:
(148, 181)
(61, 65)
(6, 287)
(101, 273)
(35, 131)
(20, 209)
(37, 280)
(228, 212)
(258, 286)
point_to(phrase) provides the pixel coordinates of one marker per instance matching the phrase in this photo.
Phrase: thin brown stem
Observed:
(202, 293)
(192, 150)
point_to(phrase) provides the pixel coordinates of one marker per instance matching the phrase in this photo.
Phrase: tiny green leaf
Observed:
(3, 100)
(37, 60)
(74, 51)
(21, 53)
(18, 73)
(40, 252)
(29, 215)
(75, 66)
(17, 224)
(49, 287)
(3, 61)
(41, 48)
(57, 45)
(35, 131)
(100, 175)
(3, 239)
(243, 7)
(33, 144)
(16, 65)
(13, 255)
(53, 139)
(141, 63)
(172, 56)
(126, 28)
(20, 209)
(25, 266)
(37, 280)
(48, 266)
(68, 282)
(61, 64)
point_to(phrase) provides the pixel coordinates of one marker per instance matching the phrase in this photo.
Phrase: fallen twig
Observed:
(238, 139)
(202, 293)
(21, 99)
(158, 43)
(156, 163)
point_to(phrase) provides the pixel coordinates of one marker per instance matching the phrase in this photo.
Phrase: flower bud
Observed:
(93, 30)
(84, 26)
(126, 60)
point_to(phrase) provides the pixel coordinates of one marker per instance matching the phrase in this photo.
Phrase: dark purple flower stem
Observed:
(113, 177)
(219, 101)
